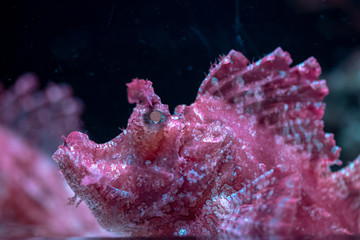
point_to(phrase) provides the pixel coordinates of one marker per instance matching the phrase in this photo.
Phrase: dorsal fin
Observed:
(287, 100)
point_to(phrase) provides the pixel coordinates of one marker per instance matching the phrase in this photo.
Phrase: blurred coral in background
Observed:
(343, 105)
(33, 196)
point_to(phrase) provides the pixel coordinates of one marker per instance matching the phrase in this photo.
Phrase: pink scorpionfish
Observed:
(248, 158)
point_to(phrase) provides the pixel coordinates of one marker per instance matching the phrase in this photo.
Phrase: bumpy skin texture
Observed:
(248, 157)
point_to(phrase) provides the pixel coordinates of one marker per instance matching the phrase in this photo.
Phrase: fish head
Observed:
(134, 177)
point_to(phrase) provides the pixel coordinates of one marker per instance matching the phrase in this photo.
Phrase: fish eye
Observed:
(154, 117)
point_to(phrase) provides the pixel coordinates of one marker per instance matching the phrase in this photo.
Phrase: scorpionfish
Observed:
(248, 158)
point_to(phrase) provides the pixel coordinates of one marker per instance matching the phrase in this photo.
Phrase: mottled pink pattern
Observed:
(248, 158)
(33, 194)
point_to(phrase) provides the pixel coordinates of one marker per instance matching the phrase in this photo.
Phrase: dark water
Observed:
(97, 46)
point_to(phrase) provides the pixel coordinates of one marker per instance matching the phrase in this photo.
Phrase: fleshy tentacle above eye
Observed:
(141, 91)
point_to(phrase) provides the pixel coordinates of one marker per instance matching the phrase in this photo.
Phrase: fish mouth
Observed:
(88, 171)
(118, 193)
(84, 162)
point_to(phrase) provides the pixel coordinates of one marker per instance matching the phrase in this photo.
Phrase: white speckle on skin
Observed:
(214, 81)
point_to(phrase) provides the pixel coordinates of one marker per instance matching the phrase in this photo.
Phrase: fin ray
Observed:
(288, 100)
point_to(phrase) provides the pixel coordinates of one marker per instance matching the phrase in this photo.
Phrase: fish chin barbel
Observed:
(248, 158)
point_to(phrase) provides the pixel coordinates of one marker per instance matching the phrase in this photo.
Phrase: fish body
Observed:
(248, 158)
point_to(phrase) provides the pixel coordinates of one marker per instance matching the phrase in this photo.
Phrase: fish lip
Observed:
(75, 168)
